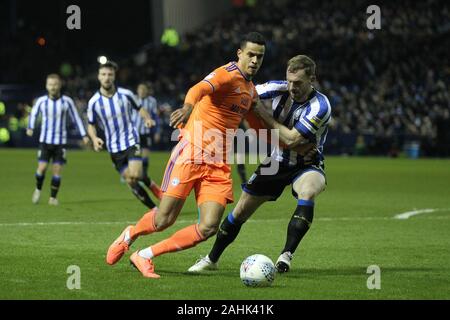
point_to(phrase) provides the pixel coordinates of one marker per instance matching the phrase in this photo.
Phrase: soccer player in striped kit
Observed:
(54, 109)
(111, 107)
(145, 134)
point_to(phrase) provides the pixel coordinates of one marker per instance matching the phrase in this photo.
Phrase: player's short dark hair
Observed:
(109, 64)
(253, 37)
(302, 62)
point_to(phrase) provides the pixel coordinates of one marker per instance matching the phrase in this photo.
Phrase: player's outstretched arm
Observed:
(97, 142)
(195, 94)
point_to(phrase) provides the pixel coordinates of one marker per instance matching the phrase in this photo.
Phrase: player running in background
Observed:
(149, 103)
(111, 107)
(54, 109)
(301, 114)
(215, 104)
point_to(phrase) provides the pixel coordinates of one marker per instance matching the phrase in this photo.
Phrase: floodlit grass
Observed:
(353, 228)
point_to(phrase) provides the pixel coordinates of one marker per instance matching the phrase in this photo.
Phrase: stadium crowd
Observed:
(388, 87)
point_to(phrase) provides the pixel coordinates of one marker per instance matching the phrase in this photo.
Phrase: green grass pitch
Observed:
(353, 229)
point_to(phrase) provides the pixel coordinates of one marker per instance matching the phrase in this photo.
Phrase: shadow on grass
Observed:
(352, 271)
(228, 273)
(307, 273)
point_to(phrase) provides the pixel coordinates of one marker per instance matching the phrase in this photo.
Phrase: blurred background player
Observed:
(111, 107)
(217, 103)
(54, 109)
(301, 114)
(149, 103)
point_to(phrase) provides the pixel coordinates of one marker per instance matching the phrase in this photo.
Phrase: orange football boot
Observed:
(117, 249)
(145, 266)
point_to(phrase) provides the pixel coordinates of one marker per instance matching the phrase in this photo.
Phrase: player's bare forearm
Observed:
(144, 114)
(290, 137)
(149, 122)
(96, 141)
(92, 132)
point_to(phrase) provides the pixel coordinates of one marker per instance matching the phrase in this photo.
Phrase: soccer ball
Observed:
(257, 271)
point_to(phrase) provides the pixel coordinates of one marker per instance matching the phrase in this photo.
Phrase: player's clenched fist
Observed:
(180, 116)
(98, 144)
(150, 123)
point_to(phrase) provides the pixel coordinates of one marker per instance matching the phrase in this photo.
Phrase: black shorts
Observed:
(121, 159)
(273, 185)
(54, 152)
(145, 140)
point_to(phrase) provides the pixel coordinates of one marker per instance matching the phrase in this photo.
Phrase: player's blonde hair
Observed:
(54, 76)
(302, 62)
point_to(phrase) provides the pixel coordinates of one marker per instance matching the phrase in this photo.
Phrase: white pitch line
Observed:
(409, 214)
(79, 223)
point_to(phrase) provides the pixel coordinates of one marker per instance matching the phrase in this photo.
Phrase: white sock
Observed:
(146, 253)
(127, 237)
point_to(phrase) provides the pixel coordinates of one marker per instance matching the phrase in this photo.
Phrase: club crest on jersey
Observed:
(175, 182)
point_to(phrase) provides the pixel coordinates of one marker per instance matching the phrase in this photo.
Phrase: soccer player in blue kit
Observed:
(111, 106)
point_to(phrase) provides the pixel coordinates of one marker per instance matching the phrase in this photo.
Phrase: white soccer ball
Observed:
(257, 271)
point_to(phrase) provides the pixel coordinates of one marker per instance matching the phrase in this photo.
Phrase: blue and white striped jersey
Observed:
(54, 119)
(115, 116)
(310, 118)
(150, 104)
